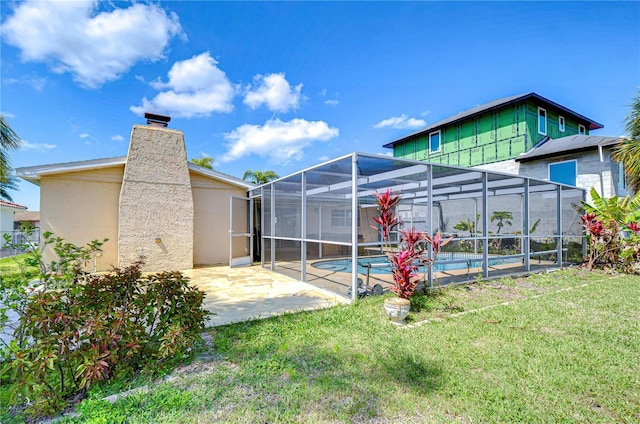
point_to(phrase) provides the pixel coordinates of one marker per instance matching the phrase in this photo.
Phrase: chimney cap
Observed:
(157, 120)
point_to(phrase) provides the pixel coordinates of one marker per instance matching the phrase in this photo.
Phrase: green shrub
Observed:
(81, 329)
(613, 233)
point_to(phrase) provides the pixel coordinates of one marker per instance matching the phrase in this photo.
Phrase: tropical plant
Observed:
(9, 140)
(10, 183)
(259, 177)
(503, 218)
(204, 161)
(613, 232)
(467, 225)
(411, 254)
(628, 151)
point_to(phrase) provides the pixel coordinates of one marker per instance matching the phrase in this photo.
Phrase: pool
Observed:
(380, 264)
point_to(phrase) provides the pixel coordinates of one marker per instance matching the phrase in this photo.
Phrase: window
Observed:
(561, 123)
(434, 142)
(564, 172)
(542, 121)
(340, 218)
(582, 130)
(622, 180)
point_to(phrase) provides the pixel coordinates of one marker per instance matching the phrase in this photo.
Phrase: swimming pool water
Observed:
(463, 261)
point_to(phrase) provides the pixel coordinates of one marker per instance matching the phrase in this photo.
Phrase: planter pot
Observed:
(397, 309)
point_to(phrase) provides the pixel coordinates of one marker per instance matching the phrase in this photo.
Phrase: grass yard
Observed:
(12, 267)
(558, 347)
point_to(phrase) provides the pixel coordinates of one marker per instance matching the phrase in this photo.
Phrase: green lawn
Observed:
(565, 347)
(12, 267)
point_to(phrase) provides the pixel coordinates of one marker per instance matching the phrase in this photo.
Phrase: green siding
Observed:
(493, 136)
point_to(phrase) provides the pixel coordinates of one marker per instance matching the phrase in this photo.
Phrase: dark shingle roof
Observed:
(572, 143)
(495, 104)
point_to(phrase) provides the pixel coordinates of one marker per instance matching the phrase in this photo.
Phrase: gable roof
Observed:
(493, 105)
(10, 205)
(34, 173)
(570, 144)
(26, 216)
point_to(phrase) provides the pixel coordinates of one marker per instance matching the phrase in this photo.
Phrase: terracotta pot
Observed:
(397, 309)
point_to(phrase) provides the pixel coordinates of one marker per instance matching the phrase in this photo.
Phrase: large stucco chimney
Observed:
(156, 203)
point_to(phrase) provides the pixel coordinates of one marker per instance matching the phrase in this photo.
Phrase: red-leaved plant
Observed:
(411, 253)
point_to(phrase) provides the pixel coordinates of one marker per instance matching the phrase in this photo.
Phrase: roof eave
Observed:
(34, 173)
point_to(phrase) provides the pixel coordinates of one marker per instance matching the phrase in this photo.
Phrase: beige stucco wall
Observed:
(156, 204)
(83, 206)
(211, 220)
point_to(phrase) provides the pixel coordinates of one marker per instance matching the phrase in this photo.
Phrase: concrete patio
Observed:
(252, 292)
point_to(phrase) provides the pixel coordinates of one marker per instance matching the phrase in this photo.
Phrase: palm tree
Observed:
(259, 177)
(503, 218)
(205, 162)
(628, 151)
(9, 140)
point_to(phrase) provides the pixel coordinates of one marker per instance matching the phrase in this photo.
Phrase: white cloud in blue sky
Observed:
(40, 147)
(274, 92)
(280, 142)
(401, 122)
(94, 46)
(196, 88)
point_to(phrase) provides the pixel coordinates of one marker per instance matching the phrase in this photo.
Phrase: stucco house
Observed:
(152, 202)
(7, 213)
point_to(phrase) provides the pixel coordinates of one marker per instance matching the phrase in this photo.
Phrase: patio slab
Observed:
(252, 292)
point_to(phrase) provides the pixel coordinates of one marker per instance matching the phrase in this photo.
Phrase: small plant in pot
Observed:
(407, 259)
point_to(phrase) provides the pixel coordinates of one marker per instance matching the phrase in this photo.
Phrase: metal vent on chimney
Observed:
(157, 120)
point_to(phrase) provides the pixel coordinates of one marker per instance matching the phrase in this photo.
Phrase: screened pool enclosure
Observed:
(317, 225)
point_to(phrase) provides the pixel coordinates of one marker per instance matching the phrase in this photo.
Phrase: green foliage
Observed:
(613, 232)
(628, 151)
(259, 177)
(9, 140)
(76, 330)
(467, 225)
(205, 162)
(503, 218)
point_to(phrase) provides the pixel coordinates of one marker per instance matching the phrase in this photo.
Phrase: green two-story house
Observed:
(493, 132)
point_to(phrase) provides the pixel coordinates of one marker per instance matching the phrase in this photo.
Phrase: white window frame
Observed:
(546, 121)
(341, 219)
(582, 130)
(439, 132)
(559, 163)
(561, 124)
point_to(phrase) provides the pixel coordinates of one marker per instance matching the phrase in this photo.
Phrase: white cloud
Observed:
(117, 137)
(84, 135)
(280, 142)
(8, 115)
(402, 121)
(196, 87)
(274, 91)
(37, 83)
(425, 113)
(94, 46)
(39, 147)
(331, 102)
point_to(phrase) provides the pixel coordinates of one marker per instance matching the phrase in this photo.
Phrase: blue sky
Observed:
(283, 86)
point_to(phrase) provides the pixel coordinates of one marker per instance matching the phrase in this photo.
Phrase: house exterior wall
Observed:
(591, 172)
(211, 220)
(156, 204)
(6, 220)
(494, 136)
(81, 207)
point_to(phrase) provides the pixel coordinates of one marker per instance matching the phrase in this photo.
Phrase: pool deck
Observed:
(252, 292)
